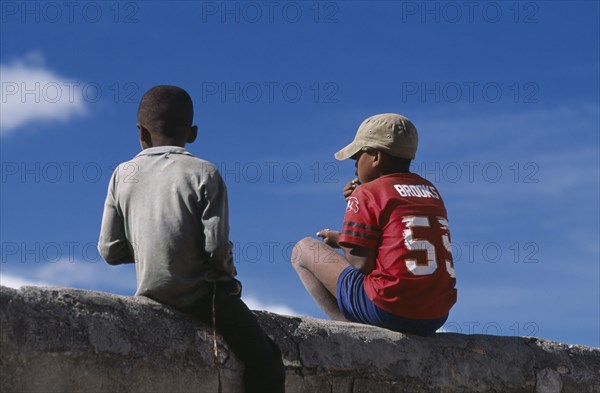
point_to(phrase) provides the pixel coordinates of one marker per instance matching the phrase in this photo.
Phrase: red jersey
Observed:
(403, 217)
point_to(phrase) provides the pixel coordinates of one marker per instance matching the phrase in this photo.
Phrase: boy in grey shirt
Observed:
(166, 211)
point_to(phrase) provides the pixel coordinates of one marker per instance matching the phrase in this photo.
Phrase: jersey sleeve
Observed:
(361, 226)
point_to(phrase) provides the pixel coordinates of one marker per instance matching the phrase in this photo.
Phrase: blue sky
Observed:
(505, 96)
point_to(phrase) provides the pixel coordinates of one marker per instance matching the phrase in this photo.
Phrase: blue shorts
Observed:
(357, 307)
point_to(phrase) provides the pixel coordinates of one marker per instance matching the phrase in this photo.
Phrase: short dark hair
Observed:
(166, 110)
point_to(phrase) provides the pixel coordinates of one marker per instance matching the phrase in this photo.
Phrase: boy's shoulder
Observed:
(184, 160)
(171, 152)
(399, 185)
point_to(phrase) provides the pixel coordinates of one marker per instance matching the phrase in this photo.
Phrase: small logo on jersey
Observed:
(352, 205)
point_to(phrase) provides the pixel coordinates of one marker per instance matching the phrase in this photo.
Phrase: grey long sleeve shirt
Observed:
(166, 211)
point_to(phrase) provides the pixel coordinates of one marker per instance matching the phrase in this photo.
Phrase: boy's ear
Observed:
(145, 137)
(193, 134)
(377, 157)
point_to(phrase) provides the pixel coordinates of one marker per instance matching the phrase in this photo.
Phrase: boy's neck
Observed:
(396, 172)
(157, 141)
(146, 146)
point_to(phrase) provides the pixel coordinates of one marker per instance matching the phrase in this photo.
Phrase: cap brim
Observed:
(348, 151)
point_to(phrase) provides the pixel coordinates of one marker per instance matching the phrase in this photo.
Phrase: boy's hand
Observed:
(331, 238)
(350, 187)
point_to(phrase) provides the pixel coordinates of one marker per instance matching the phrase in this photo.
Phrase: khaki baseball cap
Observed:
(391, 133)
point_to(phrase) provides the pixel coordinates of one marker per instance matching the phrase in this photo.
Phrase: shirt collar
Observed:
(151, 151)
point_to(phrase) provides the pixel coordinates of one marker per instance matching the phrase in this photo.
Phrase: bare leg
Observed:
(319, 267)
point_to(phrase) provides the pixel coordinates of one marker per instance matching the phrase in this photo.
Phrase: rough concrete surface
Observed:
(68, 340)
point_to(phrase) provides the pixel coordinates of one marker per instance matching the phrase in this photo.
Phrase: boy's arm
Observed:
(362, 258)
(361, 233)
(215, 220)
(113, 245)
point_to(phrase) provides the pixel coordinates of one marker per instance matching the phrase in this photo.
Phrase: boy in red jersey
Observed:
(397, 270)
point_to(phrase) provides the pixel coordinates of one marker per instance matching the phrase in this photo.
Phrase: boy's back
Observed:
(167, 211)
(173, 209)
(399, 215)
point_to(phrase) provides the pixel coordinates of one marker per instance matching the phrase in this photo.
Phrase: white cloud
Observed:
(33, 93)
(548, 175)
(542, 153)
(509, 132)
(92, 275)
(254, 304)
(8, 280)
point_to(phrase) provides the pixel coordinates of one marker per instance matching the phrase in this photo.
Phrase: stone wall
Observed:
(68, 340)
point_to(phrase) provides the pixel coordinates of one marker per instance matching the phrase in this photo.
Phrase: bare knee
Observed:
(307, 242)
(302, 250)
